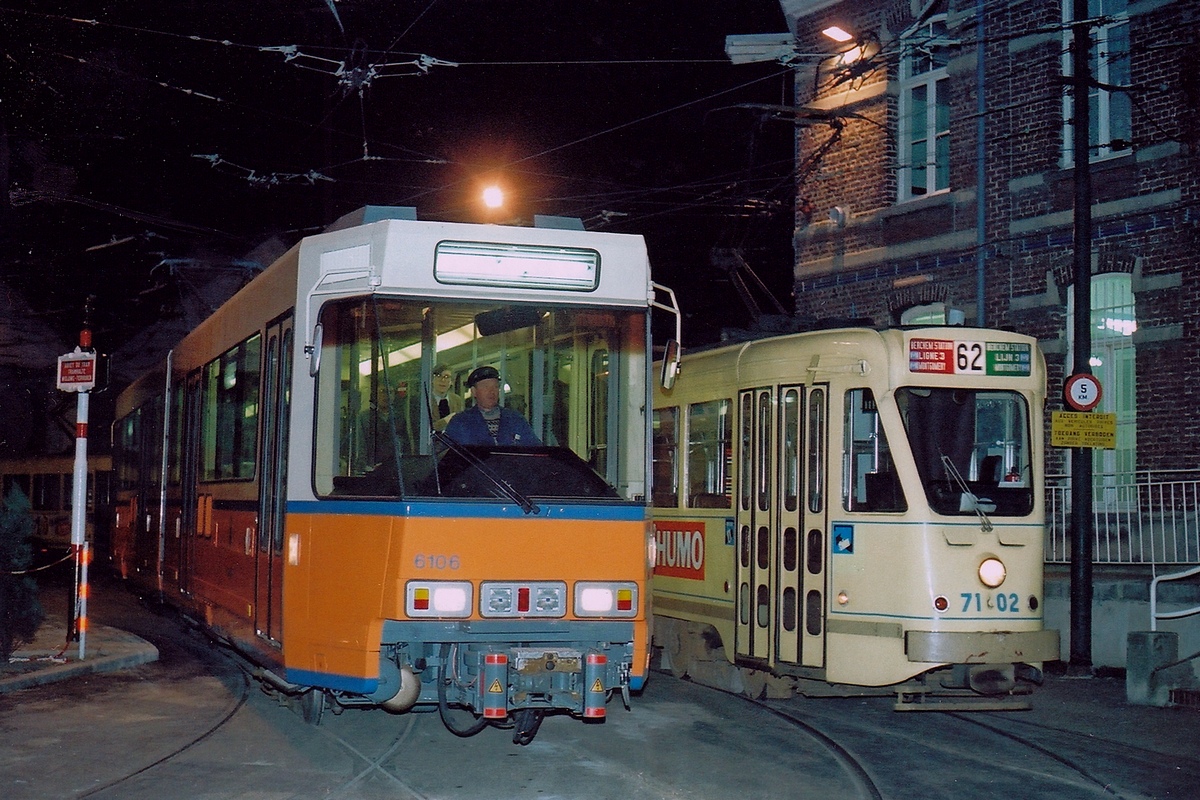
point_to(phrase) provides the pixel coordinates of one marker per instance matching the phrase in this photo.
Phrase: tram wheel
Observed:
(312, 706)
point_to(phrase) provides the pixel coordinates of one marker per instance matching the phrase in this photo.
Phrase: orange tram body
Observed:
(286, 477)
(855, 511)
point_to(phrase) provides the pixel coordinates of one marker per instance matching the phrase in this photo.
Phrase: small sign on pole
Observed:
(77, 371)
(1083, 429)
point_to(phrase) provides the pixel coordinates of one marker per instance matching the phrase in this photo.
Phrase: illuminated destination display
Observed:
(960, 357)
(480, 264)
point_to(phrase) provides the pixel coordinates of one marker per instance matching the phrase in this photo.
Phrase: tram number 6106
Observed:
(438, 561)
(1004, 603)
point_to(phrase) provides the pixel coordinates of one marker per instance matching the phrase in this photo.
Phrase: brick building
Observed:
(890, 158)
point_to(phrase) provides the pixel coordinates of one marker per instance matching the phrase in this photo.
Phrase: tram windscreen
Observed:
(971, 448)
(393, 378)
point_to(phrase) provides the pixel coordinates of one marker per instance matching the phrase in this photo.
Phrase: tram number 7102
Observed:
(1004, 603)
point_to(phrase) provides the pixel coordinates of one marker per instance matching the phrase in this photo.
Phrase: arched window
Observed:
(1113, 362)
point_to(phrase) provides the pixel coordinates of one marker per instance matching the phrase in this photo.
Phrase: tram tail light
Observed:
(438, 599)
(600, 599)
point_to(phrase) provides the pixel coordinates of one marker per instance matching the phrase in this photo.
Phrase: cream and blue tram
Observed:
(853, 508)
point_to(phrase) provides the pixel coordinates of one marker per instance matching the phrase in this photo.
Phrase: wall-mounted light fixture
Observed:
(838, 34)
(838, 215)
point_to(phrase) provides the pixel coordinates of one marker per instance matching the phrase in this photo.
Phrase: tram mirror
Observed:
(508, 318)
(314, 351)
(670, 365)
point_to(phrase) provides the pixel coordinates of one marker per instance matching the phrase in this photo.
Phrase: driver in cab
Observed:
(487, 422)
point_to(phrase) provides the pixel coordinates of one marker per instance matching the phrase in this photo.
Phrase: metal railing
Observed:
(1152, 519)
(1155, 614)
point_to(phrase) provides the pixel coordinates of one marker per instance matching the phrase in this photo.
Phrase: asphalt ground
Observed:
(1079, 739)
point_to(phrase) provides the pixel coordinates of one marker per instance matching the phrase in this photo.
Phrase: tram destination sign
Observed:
(969, 357)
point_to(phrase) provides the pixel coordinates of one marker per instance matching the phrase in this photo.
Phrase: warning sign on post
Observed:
(77, 372)
(1083, 429)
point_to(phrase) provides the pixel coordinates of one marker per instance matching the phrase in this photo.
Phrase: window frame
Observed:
(1104, 69)
(935, 129)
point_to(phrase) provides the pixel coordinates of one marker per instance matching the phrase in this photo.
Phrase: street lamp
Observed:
(493, 197)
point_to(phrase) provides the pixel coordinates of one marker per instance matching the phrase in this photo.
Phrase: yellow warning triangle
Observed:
(597, 686)
(496, 688)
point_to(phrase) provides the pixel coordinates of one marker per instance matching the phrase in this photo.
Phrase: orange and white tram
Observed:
(284, 476)
(854, 508)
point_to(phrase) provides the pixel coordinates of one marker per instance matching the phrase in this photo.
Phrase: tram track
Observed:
(237, 704)
(984, 757)
(1070, 764)
(373, 764)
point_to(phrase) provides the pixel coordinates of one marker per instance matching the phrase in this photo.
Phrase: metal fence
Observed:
(1152, 519)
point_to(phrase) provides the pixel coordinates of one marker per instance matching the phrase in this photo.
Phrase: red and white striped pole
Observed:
(79, 543)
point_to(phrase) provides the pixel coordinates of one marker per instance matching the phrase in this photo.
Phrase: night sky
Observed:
(144, 136)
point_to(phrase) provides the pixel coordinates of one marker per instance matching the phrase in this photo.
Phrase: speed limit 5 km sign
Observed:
(1082, 392)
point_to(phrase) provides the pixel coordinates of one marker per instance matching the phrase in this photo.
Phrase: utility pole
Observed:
(1081, 457)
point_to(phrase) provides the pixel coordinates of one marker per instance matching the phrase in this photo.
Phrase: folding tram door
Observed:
(781, 525)
(272, 482)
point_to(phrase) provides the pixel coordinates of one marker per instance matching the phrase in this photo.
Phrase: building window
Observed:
(1110, 126)
(924, 111)
(1113, 362)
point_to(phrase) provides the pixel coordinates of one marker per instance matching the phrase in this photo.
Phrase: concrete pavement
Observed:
(51, 656)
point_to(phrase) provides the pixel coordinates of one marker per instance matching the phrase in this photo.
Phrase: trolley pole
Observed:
(77, 373)
(1081, 457)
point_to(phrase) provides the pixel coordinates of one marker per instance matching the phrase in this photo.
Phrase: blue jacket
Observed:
(469, 427)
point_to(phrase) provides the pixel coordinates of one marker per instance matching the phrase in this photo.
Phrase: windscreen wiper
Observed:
(971, 501)
(527, 505)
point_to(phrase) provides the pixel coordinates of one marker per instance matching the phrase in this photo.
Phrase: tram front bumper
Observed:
(981, 647)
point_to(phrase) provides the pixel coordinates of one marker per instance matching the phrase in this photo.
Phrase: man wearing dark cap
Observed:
(487, 422)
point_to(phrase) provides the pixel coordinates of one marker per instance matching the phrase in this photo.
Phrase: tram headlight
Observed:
(992, 572)
(597, 599)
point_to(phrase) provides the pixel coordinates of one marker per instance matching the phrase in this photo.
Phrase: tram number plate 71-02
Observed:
(1004, 603)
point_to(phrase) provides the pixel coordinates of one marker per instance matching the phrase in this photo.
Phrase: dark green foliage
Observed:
(20, 611)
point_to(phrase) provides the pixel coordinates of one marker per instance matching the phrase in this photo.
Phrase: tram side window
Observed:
(125, 451)
(816, 450)
(710, 454)
(870, 481)
(47, 492)
(229, 427)
(665, 487)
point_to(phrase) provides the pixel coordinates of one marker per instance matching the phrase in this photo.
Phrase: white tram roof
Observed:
(851, 351)
(450, 260)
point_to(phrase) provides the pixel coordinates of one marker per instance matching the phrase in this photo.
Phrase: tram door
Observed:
(272, 494)
(189, 523)
(780, 523)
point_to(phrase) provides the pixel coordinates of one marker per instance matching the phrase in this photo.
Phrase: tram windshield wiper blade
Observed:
(972, 501)
(527, 505)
